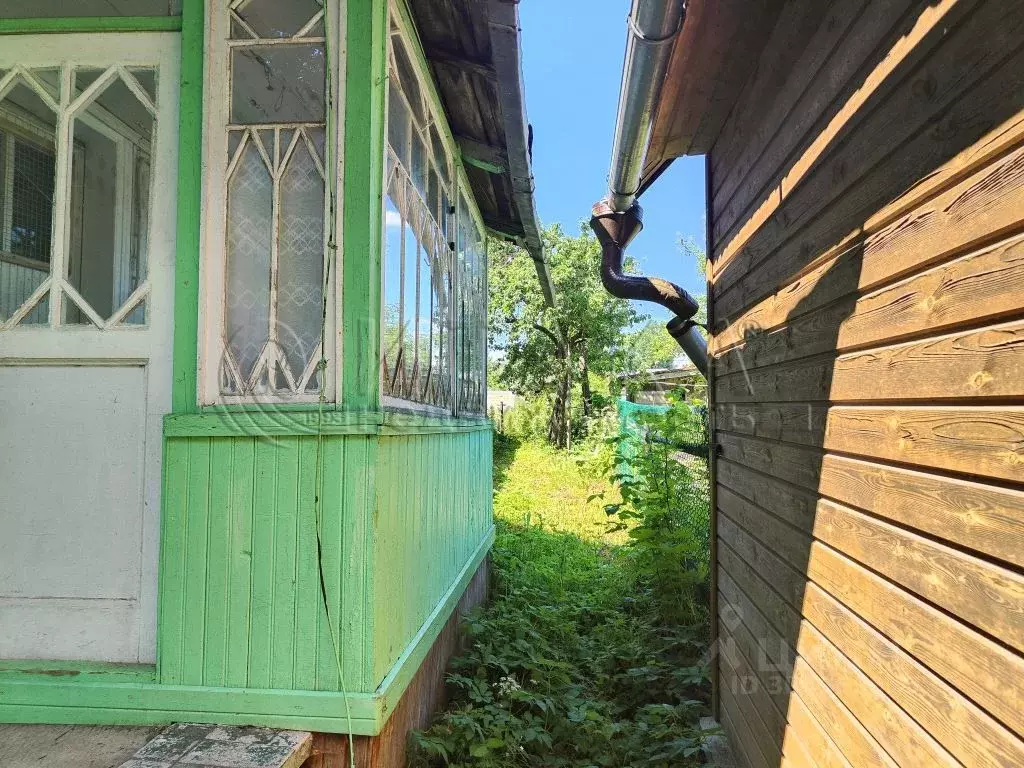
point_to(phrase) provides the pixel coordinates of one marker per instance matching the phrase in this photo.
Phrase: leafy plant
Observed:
(580, 660)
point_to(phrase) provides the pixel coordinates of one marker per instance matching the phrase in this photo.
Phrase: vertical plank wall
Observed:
(867, 205)
(240, 600)
(433, 512)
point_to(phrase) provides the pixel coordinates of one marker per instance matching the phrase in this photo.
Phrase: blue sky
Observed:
(572, 61)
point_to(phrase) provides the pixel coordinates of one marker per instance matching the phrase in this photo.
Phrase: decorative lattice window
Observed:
(471, 316)
(428, 315)
(266, 225)
(75, 151)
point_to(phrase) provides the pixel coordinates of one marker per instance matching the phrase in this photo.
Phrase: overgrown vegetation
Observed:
(591, 652)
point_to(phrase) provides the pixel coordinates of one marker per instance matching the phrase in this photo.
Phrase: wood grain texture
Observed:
(974, 664)
(843, 727)
(901, 736)
(987, 442)
(981, 593)
(978, 517)
(867, 246)
(948, 66)
(838, 737)
(968, 733)
(968, 365)
(772, 118)
(985, 285)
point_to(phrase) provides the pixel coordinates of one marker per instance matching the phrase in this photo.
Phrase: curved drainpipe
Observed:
(616, 220)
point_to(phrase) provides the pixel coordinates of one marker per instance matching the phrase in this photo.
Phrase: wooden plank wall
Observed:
(433, 511)
(240, 600)
(867, 220)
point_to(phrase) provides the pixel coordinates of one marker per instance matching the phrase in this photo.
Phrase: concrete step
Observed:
(187, 745)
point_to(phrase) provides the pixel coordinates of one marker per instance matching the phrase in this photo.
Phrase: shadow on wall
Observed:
(842, 215)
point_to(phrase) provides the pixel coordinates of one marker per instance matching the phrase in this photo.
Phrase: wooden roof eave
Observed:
(503, 23)
(716, 49)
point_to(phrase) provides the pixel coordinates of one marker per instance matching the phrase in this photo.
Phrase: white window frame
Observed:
(213, 225)
(460, 190)
(68, 190)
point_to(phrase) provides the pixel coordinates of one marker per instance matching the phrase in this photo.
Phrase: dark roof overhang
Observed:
(474, 51)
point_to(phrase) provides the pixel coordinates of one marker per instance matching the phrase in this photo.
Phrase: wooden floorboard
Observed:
(70, 746)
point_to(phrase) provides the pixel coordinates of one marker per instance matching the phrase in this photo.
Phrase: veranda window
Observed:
(75, 153)
(434, 283)
(471, 318)
(266, 227)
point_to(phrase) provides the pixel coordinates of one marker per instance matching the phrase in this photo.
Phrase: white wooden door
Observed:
(88, 193)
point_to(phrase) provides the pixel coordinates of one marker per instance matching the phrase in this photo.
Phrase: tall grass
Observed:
(576, 662)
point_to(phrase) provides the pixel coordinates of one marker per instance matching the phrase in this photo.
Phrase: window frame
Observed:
(217, 96)
(400, 23)
(16, 125)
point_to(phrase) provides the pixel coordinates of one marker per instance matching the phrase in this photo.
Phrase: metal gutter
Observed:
(503, 23)
(616, 220)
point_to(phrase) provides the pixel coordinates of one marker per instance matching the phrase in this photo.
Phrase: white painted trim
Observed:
(114, 343)
(213, 230)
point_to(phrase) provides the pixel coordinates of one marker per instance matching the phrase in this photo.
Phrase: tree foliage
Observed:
(548, 350)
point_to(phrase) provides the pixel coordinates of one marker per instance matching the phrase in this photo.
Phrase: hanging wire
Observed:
(330, 260)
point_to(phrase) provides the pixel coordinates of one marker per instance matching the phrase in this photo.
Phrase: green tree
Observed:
(548, 350)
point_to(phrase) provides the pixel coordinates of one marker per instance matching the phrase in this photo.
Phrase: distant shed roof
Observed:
(473, 47)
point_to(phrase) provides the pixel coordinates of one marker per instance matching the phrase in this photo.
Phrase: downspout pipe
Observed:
(616, 220)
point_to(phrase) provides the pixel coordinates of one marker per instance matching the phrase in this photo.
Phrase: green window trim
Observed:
(235, 422)
(184, 388)
(91, 24)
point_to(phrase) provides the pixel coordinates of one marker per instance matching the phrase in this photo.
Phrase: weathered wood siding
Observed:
(433, 512)
(240, 596)
(867, 222)
(240, 601)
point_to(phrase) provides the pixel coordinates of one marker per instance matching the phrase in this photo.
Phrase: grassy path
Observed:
(570, 665)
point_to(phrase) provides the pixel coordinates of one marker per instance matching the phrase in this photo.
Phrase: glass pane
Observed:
(275, 19)
(126, 111)
(147, 79)
(433, 195)
(27, 170)
(398, 124)
(27, 9)
(393, 237)
(278, 84)
(300, 260)
(49, 79)
(319, 137)
(410, 85)
(27, 128)
(418, 171)
(86, 76)
(234, 140)
(31, 168)
(249, 227)
(284, 143)
(109, 222)
(409, 285)
(440, 155)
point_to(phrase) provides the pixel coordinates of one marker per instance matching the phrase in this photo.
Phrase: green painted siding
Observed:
(190, 179)
(240, 600)
(433, 510)
(240, 587)
(362, 204)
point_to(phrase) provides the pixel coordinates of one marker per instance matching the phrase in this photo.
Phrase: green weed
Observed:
(578, 660)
